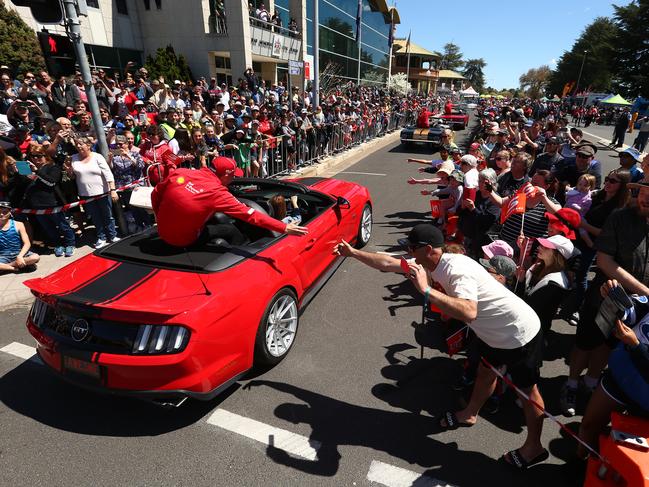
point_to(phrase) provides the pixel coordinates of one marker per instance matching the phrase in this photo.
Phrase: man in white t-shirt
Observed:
(508, 330)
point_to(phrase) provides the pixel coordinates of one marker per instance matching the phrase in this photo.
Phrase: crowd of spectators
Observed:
(49, 154)
(530, 201)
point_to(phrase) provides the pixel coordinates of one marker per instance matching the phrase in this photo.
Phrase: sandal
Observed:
(452, 422)
(517, 460)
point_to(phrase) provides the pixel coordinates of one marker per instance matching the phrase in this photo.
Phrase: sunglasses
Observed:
(412, 247)
(583, 156)
(500, 158)
(611, 180)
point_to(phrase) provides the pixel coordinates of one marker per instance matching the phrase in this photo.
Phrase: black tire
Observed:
(263, 355)
(363, 237)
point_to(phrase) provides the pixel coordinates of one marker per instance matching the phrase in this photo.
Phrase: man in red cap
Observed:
(187, 199)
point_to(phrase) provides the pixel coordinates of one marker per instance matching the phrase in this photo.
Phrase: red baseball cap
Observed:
(224, 166)
(566, 219)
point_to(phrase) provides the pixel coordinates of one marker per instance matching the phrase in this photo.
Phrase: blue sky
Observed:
(511, 36)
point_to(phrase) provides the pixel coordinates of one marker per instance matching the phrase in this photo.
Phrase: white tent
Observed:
(469, 93)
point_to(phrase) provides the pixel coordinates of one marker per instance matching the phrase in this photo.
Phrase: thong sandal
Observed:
(452, 422)
(516, 460)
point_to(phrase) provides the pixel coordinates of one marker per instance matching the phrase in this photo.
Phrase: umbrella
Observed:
(616, 100)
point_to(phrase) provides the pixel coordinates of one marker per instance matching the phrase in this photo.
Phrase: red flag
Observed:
(528, 189)
(516, 205)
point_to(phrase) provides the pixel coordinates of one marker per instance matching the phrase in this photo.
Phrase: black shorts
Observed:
(523, 363)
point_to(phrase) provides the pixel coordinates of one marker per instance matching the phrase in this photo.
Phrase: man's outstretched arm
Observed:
(382, 262)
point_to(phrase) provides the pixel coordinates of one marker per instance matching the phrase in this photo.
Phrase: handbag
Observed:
(141, 197)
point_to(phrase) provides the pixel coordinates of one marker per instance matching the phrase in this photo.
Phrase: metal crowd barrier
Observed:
(285, 154)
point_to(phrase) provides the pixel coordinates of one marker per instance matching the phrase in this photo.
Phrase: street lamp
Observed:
(583, 60)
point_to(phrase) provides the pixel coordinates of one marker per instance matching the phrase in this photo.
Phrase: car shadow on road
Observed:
(32, 391)
(400, 434)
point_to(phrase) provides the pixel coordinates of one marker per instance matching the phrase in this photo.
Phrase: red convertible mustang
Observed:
(143, 318)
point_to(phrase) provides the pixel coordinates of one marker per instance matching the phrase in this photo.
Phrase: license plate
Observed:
(81, 367)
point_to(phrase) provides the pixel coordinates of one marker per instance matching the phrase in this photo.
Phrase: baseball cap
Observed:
(470, 160)
(224, 166)
(229, 116)
(220, 102)
(633, 152)
(423, 234)
(447, 167)
(559, 243)
(458, 176)
(552, 140)
(567, 220)
(586, 144)
(138, 103)
(585, 150)
(177, 82)
(474, 146)
(498, 247)
(501, 264)
(5, 204)
(455, 150)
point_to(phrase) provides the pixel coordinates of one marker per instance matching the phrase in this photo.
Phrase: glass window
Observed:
(334, 42)
(147, 4)
(350, 7)
(122, 8)
(373, 39)
(93, 3)
(336, 20)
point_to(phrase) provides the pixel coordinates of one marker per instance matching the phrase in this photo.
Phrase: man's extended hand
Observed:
(293, 229)
(344, 249)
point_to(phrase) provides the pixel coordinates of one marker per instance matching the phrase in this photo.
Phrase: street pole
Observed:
(73, 28)
(583, 60)
(390, 47)
(408, 62)
(359, 39)
(316, 53)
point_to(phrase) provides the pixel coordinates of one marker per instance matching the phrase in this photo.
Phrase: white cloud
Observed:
(553, 62)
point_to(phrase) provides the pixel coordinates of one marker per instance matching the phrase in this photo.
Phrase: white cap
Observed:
(470, 160)
(559, 243)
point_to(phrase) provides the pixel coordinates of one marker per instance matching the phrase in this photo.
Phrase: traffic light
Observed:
(58, 52)
(44, 11)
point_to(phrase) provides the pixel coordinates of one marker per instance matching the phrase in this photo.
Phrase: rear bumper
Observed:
(155, 378)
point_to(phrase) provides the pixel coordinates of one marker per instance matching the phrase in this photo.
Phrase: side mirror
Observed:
(343, 203)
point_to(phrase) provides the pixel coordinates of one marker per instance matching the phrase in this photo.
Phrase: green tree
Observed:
(535, 80)
(166, 64)
(451, 57)
(597, 42)
(474, 74)
(19, 47)
(630, 61)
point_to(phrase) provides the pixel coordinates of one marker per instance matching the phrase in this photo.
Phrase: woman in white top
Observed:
(94, 178)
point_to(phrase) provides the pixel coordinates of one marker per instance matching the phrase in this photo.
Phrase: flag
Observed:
(359, 13)
(391, 33)
(408, 43)
(516, 205)
(528, 189)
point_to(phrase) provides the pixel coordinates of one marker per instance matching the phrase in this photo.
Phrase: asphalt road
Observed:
(353, 395)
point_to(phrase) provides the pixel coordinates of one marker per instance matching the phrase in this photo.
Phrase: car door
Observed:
(316, 255)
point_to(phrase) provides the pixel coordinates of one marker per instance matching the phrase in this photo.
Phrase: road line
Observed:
(392, 254)
(363, 173)
(19, 350)
(606, 141)
(296, 445)
(391, 476)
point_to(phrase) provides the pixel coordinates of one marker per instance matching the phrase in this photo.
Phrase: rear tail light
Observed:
(160, 339)
(38, 312)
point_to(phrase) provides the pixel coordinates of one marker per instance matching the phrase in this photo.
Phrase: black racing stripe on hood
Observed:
(117, 282)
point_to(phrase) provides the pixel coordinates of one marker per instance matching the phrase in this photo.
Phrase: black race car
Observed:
(431, 136)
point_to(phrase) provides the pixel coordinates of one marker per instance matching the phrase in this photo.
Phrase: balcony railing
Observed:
(271, 40)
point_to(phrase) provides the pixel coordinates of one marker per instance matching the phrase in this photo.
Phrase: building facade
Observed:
(111, 32)
(222, 38)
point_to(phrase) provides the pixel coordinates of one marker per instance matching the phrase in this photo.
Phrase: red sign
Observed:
(307, 70)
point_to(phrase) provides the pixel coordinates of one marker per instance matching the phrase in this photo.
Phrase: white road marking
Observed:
(606, 141)
(391, 476)
(24, 352)
(392, 254)
(363, 173)
(297, 445)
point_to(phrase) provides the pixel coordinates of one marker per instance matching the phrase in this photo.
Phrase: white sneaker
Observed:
(116, 239)
(100, 243)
